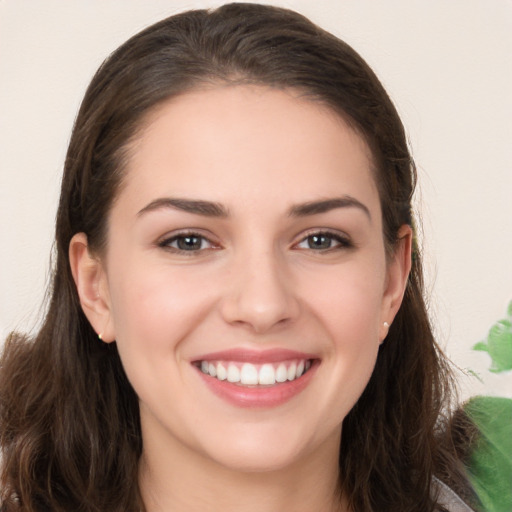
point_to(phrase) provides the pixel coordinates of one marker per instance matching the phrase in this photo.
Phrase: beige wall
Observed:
(446, 64)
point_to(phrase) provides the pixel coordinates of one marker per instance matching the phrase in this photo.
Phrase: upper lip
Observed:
(255, 356)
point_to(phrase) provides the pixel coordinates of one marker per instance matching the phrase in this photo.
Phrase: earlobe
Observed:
(398, 271)
(91, 285)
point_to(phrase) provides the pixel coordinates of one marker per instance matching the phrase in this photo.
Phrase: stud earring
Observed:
(100, 336)
(386, 325)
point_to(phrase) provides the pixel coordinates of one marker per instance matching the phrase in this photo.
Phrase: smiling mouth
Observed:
(255, 375)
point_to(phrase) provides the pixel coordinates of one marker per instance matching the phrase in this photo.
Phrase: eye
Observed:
(324, 241)
(187, 242)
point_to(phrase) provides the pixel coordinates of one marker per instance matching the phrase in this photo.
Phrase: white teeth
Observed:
(233, 373)
(300, 369)
(222, 374)
(292, 371)
(281, 373)
(249, 374)
(267, 375)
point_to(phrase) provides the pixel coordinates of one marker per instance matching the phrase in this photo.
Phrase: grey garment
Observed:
(448, 498)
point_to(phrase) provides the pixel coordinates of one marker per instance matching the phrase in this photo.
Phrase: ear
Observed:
(92, 287)
(398, 269)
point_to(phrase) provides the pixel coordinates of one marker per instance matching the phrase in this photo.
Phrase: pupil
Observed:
(189, 243)
(319, 242)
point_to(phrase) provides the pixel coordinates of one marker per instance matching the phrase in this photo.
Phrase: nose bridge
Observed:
(261, 293)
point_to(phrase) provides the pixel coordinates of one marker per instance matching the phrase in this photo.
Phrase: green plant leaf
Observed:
(499, 345)
(481, 345)
(490, 467)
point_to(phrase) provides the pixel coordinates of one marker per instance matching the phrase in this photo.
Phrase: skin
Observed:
(255, 281)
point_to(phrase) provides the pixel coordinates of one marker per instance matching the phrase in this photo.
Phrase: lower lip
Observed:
(265, 397)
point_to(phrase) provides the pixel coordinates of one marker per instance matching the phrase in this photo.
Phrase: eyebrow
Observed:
(326, 205)
(213, 209)
(198, 207)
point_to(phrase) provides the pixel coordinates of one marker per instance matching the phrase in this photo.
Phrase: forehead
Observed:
(249, 140)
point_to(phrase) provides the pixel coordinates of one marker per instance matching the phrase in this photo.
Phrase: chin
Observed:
(262, 449)
(258, 461)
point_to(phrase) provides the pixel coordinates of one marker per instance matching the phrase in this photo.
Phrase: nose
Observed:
(260, 294)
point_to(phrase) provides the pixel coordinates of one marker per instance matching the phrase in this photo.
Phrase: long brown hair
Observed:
(70, 431)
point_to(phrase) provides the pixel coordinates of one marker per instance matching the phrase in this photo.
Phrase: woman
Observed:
(236, 318)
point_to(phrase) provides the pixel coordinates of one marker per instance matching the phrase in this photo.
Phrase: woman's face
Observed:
(245, 279)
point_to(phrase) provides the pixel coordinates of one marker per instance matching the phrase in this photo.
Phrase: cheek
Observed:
(154, 311)
(347, 306)
(347, 299)
(156, 306)
(354, 323)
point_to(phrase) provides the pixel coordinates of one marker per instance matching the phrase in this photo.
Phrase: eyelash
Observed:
(175, 239)
(341, 242)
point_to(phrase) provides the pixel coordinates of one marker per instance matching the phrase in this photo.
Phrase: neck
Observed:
(175, 480)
